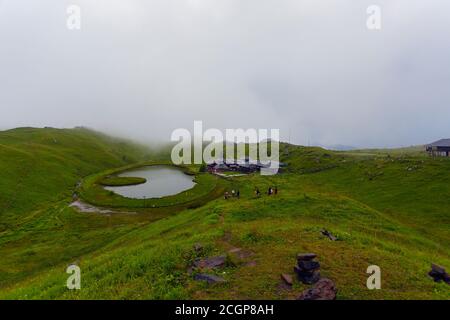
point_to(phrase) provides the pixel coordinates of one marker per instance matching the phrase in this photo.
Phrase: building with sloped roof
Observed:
(440, 148)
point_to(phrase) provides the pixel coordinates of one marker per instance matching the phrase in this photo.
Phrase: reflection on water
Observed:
(162, 181)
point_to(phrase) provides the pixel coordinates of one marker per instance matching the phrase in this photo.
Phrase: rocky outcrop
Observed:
(324, 289)
(199, 266)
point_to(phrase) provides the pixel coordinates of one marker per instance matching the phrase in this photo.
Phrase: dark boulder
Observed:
(438, 274)
(324, 289)
(437, 269)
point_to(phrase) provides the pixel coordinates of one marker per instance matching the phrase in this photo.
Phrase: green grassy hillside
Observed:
(40, 169)
(39, 164)
(389, 208)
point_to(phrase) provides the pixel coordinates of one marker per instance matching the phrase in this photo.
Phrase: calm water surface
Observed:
(162, 181)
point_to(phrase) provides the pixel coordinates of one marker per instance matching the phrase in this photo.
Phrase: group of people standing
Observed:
(234, 194)
(270, 191)
(237, 194)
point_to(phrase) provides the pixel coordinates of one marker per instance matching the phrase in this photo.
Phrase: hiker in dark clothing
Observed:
(269, 191)
(257, 193)
(275, 190)
(238, 194)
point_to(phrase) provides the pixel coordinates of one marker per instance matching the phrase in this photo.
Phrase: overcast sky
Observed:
(142, 68)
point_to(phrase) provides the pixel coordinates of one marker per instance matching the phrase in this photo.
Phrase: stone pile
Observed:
(307, 269)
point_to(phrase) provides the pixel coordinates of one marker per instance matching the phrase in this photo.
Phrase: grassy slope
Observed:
(37, 164)
(40, 168)
(384, 213)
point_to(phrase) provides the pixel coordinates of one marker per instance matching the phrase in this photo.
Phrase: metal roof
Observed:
(440, 143)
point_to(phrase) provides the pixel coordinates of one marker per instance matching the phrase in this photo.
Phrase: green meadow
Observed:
(389, 208)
